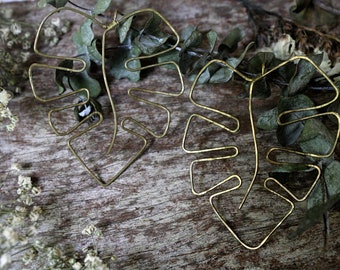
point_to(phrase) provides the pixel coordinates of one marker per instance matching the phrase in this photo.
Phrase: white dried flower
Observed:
(49, 32)
(38, 245)
(16, 28)
(5, 33)
(284, 47)
(32, 230)
(29, 256)
(56, 22)
(77, 266)
(89, 230)
(20, 210)
(53, 41)
(25, 182)
(25, 199)
(16, 167)
(17, 220)
(64, 29)
(5, 97)
(36, 191)
(35, 213)
(94, 262)
(26, 45)
(10, 235)
(5, 113)
(5, 260)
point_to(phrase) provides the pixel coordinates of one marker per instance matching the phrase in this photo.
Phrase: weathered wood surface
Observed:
(149, 217)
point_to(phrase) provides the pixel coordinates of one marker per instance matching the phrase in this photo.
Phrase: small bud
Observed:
(16, 29)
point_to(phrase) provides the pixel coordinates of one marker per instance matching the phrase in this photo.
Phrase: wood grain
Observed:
(149, 217)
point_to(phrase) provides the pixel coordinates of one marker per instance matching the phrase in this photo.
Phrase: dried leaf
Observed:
(224, 74)
(303, 74)
(289, 134)
(292, 168)
(117, 63)
(316, 138)
(256, 63)
(268, 120)
(93, 52)
(124, 28)
(101, 6)
(230, 42)
(57, 3)
(191, 37)
(84, 80)
(261, 89)
(212, 38)
(62, 75)
(86, 33)
(318, 202)
(308, 13)
(173, 55)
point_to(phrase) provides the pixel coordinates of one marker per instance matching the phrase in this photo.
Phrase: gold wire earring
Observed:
(85, 93)
(272, 151)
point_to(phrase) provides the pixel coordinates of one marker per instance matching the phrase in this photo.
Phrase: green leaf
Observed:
(204, 78)
(124, 28)
(61, 75)
(191, 37)
(318, 202)
(57, 3)
(117, 63)
(101, 6)
(287, 71)
(331, 175)
(42, 3)
(212, 38)
(310, 14)
(258, 60)
(84, 80)
(292, 168)
(152, 26)
(149, 44)
(86, 33)
(230, 42)
(172, 55)
(303, 74)
(261, 89)
(316, 138)
(151, 38)
(93, 53)
(81, 47)
(289, 134)
(224, 74)
(268, 120)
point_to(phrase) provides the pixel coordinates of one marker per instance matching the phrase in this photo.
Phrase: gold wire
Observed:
(173, 64)
(256, 152)
(233, 233)
(131, 92)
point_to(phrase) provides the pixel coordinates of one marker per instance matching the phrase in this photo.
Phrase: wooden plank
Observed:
(149, 217)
